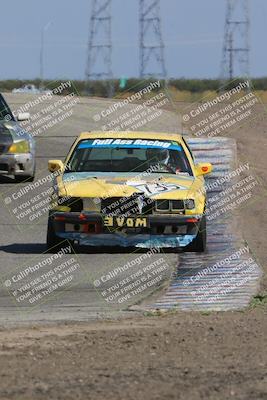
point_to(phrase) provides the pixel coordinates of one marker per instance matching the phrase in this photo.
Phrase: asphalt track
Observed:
(23, 242)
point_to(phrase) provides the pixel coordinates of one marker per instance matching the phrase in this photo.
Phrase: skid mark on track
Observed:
(210, 281)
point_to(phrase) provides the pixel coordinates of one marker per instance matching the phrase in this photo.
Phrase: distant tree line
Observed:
(100, 88)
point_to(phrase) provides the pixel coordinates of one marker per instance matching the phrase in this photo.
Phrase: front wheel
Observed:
(199, 244)
(54, 243)
(26, 178)
(52, 240)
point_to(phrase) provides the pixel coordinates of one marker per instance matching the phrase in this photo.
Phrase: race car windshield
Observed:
(110, 155)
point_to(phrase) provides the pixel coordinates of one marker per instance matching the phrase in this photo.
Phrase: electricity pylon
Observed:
(236, 47)
(99, 58)
(152, 61)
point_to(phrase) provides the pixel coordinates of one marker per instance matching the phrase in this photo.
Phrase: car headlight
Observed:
(189, 204)
(19, 147)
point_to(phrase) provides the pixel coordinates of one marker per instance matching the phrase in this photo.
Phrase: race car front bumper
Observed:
(17, 164)
(88, 229)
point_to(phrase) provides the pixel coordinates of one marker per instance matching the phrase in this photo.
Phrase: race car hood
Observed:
(159, 186)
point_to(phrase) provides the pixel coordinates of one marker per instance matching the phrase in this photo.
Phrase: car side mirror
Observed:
(23, 116)
(55, 165)
(203, 169)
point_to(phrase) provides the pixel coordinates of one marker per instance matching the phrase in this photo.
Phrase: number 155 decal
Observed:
(151, 189)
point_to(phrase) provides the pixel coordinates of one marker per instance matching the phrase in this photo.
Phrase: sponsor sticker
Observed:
(137, 143)
(152, 189)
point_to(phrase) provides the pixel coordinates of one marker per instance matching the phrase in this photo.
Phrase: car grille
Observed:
(169, 206)
(177, 205)
(163, 205)
(127, 206)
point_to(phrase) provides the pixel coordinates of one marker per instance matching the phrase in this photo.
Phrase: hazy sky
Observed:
(192, 30)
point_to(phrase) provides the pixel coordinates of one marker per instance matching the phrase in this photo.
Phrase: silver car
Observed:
(17, 147)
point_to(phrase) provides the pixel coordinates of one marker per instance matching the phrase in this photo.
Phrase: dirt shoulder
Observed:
(177, 356)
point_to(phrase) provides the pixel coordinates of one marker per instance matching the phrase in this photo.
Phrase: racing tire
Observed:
(53, 242)
(26, 178)
(199, 244)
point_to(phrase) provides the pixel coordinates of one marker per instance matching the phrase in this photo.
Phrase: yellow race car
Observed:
(129, 189)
